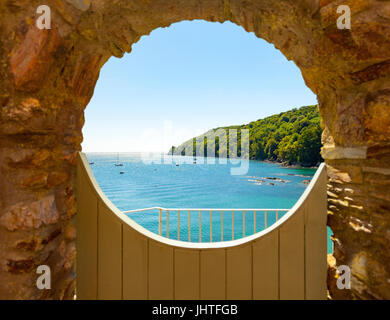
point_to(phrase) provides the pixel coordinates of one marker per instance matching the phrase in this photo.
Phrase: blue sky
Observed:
(184, 80)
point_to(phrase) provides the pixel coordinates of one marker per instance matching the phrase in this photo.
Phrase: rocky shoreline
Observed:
(288, 165)
(272, 180)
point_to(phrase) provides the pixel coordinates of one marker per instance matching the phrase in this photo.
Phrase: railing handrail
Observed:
(202, 209)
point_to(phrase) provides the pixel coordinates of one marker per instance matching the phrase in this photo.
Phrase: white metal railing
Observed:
(211, 211)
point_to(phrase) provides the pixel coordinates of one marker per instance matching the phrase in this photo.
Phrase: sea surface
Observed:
(155, 180)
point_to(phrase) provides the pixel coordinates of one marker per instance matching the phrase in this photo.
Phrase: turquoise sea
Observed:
(155, 180)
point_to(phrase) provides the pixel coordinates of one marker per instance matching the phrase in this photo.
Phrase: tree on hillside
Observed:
(293, 136)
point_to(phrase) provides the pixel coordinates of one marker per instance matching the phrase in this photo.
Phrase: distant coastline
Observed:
(291, 139)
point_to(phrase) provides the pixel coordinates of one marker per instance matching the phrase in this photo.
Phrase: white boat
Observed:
(118, 164)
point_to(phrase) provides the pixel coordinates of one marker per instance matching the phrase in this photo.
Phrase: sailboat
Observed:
(118, 164)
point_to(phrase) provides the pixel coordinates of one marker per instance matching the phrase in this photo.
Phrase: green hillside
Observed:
(292, 137)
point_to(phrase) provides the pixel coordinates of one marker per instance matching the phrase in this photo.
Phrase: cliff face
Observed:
(47, 78)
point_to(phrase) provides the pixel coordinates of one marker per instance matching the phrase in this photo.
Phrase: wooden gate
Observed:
(119, 259)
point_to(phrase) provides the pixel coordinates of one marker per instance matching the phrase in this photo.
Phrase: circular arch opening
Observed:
(241, 77)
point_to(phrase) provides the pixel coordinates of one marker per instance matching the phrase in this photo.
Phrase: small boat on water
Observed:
(118, 164)
(92, 163)
(122, 172)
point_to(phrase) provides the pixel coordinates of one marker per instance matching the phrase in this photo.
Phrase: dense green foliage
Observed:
(293, 137)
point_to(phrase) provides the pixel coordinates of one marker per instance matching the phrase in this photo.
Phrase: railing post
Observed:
(189, 225)
(254, 216)
(160, 223)
(243, 224)
(200, 226)
(160, 220)
(168, 224)
(178, 224)
(221, 225)
(211, 226)
(232, 225)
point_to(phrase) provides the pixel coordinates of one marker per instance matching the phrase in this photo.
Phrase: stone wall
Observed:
(48, 76)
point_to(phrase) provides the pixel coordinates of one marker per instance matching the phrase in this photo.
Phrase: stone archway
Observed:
(48, 76)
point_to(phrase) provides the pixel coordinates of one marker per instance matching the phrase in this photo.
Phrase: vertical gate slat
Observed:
(316, 240)
(265, 267)
(86, 241)
(239, 273)
(292, 267)
(135, 265)
(212, 274)
(109, 255)
(160, 271)
(186, 274)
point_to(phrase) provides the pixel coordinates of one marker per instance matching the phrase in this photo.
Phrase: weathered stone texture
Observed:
(48, 76)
